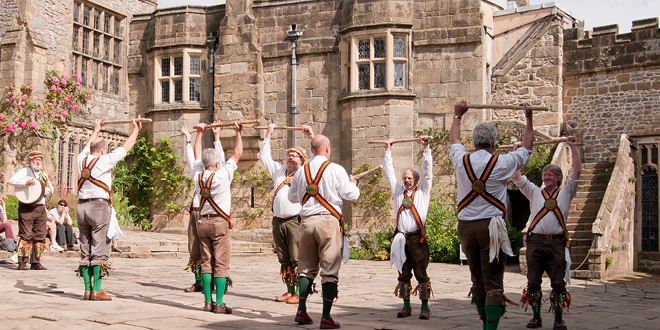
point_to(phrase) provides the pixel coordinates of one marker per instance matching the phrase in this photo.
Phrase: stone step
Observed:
(600, 165)
(595, 196)
(578, 226)
(593, 187)
(575, 234)
(584, 206)
(582, 214)
(595, 177)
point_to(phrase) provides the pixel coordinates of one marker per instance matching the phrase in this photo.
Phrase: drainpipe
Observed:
(212, 43)
(293, 34)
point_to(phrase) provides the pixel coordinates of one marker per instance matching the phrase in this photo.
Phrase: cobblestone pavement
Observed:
(147, 294)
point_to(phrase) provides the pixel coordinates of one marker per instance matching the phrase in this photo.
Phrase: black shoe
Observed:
(425, 314)
(559, 325)
(534, 323)
(405, 311)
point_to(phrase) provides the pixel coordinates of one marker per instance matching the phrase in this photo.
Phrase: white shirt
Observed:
(220, 187)
(102, 171)
(24, 175)
(549, 224)
(407, 222)
(496, 184)
(334, 186)
(192, 164)
(282, 207)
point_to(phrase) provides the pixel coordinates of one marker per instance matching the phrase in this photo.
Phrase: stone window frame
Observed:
(649, 160)
(172, 80)
(350, 59)
(67, 154)
(102, 43)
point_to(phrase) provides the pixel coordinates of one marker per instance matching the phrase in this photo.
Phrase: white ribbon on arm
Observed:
(499, 238)
(398, 252)
(344, 250)
(567, 276)
(113, 227)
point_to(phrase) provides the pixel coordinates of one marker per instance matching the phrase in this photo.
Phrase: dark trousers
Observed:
(417, 259)
(65, 235)
(286, 236)
(32, 222)
(545, 255)
(487, 277)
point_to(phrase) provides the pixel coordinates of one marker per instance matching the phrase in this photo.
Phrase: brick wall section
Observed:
(536, 79)
(612, 85)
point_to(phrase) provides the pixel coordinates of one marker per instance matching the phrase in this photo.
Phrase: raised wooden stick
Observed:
(367, 172)
(280, 127)
(538, 143)
(396, 141)
(137, 120)
(216, 125)
(506, 106)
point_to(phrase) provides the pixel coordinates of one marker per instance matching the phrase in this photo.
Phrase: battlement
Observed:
(604, 48)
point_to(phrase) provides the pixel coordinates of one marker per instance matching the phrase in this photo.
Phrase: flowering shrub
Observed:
(23, 114)
(63, 193)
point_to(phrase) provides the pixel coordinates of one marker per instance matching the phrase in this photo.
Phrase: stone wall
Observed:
(612, 85)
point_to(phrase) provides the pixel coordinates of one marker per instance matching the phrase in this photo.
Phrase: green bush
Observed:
(374, 246)
(123, 209)
(441, 225)
(11, 207)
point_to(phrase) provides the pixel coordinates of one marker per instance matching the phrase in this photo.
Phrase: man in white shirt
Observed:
(212, 182)
(32, 218)
(93, 210)
(286, 224)
(410, 248)
(481, 179)
(194, 264)
(321, 188)
(547, 236)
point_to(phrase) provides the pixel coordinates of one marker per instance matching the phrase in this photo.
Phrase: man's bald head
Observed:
(321, 145)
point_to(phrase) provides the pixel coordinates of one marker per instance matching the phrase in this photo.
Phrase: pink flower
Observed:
(23, 162)
(13, 98)
(6, 100)
(63, 112)
(60, 90)
(39, 112)
(53, 88)
(10, 129)
(13, 160)
(22, 124)
(73, 75)
(17, 119)
(2, 117)
(50, 112)
(73, 107)
(78, 84)
(65, 99)
(33, 125)
(24, 97)
(22, 104)
(56, 119)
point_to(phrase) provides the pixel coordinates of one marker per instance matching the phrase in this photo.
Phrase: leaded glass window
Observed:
(115, 83)
(379, 72)
(106, 48)
(399, 74)
(86, 16)
(96, 44)
(379, 47)
(117, 49)
(178, 90)
(117, 24)
(348, 78)
(649, 209)
(363, 49)
(76, 31)
(69, 165)
(106, 68)
(60, 162)
(363, 76)
(83, 72)
(165, 67)
(165, 91)
(85, 43)
(106, 23)
(95, 75)
(178, 66)
(399, 47)
(195, 65)
(97, 19)
(76, 12)
(195, 89)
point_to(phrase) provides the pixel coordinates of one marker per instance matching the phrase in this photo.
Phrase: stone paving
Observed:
(147, 294)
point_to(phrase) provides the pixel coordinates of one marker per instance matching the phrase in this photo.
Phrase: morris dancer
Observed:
(32, 218)
(320, 188)
(547, 237)
(481, 179)
(194, 265)
(410, 248)
(286, 225)
(95, 166)
(212, 184)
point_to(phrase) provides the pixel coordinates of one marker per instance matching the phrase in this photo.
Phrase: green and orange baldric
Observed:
(86, 175)
(550, 205)
(287, 181)
(205, 196)
(479, 185)
(409, 203)
(312, 190)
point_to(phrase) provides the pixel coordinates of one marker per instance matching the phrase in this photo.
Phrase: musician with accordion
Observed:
(31, 185)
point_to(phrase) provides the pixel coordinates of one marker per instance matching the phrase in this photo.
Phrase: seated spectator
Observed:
(8, 243)
(60, 217)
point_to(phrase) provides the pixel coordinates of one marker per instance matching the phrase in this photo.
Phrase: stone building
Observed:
(360, 70)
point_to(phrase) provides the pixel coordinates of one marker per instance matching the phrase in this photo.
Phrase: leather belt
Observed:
(549, 237)
(285, 219)
(93, 200)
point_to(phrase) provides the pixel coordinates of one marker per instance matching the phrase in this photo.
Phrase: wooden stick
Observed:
(280, 127)
(137, 120)
(538, 143)
(367, 172)
(506, 106)
(228, 124)
(396, 141)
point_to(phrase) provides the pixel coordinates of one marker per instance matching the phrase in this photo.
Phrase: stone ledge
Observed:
(393, 94)
(176, 107)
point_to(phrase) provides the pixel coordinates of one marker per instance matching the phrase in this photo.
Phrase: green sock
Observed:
(290, 288)
(558, 313)
(481, 309)
(537, 310)
(406, 303)
(198, 279)
(329, 291)
(220, 285)
(84, 271)
(97, 277)
(304, 287)
(493, 314)
(425, 303)
(206, 284)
